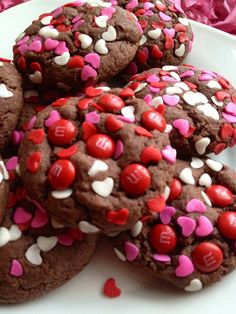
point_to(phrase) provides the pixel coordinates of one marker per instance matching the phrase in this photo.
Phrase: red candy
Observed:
(207, 257)
(175, 189)
(162, 238)
(62, 132)
(61, 174)
(118, 217)
(110, 289)
(100, 146)
(135, 179)
(33, 161)
(111, 103)
(220, 195)
(153, 120)
(227, 224)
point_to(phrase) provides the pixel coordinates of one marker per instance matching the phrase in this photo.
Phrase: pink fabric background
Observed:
(218, 13)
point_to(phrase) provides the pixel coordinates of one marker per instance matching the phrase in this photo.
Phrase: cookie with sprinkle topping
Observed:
(191, 243)
(79, 43)
(199, 105)
(102, 155)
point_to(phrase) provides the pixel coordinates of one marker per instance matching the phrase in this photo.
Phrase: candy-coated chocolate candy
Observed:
(162, 238)
(62, 132)
(227, 224)
(207, 257)
(220, 195)
(153, 120)
(100, 146)
(61, 174)
(135, 179)
(175, 189)
(110, 103)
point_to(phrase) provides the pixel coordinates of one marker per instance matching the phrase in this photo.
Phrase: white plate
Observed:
(213, 50)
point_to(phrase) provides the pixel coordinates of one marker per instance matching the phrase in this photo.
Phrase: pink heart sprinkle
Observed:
(185, 267)
(231, 108)
(154, 89)
(212, 74)
(77, 18)
(77, 25)
(65, 239)
(35, 46)
(118, 150)
(148, 5)
(171, 100)
(162, 258)
(195, 206)
(53, 117)
(149, 13)
(229, 118)
(153, 78)
(16, 269)
(40, 219)
(61, 48)
(182, 126)
(23, 48)
(204, 227)
(205, 77)
(148, 99)
(146, 52)
(132, 4)
(92, 117)
(23, 41)
(88, 72)
(94, 59)
(21, 216)
(30, 124)
(108, 12)
(16, 137)
(178, 8)
(169, 79)
(169, 32)
(164, 17)
(188, 73)
(167, 214)
(187, 224)
(57, 12)
(131, 250)
(169, 154)
(51, 44)
(12, 163)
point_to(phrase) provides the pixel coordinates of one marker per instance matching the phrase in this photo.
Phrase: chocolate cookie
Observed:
(34, 256)
(3, 188)
(11, 100)
(167, 35)
(191, 243)
(77, 43)
(199, 106)
(100, 158)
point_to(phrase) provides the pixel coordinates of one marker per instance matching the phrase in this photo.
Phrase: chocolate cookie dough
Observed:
(199, 106)
(11, 100)
(77, 43)
(101, 156)
(191, 243)
(36, 257)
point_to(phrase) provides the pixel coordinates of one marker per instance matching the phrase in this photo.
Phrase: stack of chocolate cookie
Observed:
(130, 162)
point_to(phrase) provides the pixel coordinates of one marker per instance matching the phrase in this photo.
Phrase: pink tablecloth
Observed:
(218, 13)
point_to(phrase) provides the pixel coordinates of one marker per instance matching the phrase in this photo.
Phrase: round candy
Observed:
(135, 179)
(100, 146)
(153, 120)
(220, 195)
(175, 189)
(61, 174)
(162, 238)
(207, 257)
(111, 103)
(227, 224)
(62, 132)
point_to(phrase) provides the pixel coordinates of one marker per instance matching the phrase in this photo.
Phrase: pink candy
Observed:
(16, 269)
(195, 206)
(131, 250)
(53, 117)
(118, 149)
(88, 72)
(169, 154)
(185, 267)
(182, 126)
(21, 216)
(187, 224)
(167, 214)
(171, 100)
(93, 59)
(92, 117)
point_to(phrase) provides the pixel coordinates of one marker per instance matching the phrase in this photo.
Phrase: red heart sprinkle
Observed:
(221, 95)
(110, 289)
(35, 66)
(219, 148)
(226, 131)
(175, 189)
(84, 103)
(88, 130)
(161, 109)
(158, 25)
(60, 102)
(161, 7)
(156, 204)
(11, 200)
(169, 43)
(22, 63)
(139, 12)
(180, 28)
(36, 136)
(143, 132)
(118, 217)
(76, 234)
(33, 161)
(134, 85)
(75, 62)
(191, 85)
(126, 93)
(156, 52)
(93, 92)
(150, 153)
(68, 152)
(143, 23)
(141, 57)
(112, 124)
(183, 37)
(225, 84)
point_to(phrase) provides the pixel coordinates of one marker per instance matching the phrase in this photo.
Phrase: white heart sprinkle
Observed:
(63, 59)
(36, 78)
(168, 128)
(97, 166)
(142, 40)
(179, 52)
(4, 92)
(194, 98)
(140, 87)
(62, 194)
(104, 88)
(128, 112)
(48, 32)
(120, 255)
(201, 145)
(214, 165)
(216, 102)
(175, 75)
(87, 227)
(169, 68)
(136, 229)
(1, 177)
(101, 47)
(173, 90)
(85, 40)
(156, 101)
(209, 111)
(4, 236)
(196, 163)
(103, 188)
(182, 85)
(186, 176)
(166, 192)
(15, 233)
(195, 285)
(46, 20)
(205, 180)
(101, 21)
(155, 33)
(46, 244)
(33, 255)
(4, 170)
(206, 199)
(184, 21)
(110, 34)
(214, 84)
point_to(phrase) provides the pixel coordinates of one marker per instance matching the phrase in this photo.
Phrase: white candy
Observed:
(168, 128)
(86, 227)
(1, 177)
(48, 32)
(155, 33)
(101, 21)
(186, 176)
(166, 192)
(98, 166)
(169, 68)
(63, 59)
(194, 98)
(101, 47)
(15, 233)
(62, 194)
(196, 163)
(205, 180)
(142, 40)
(4, 92)
(201, 145)
(209, 111)
(136, 229)
(214, 165)
(173, 90)
(140, 87)
(85, 40)
(194, 285)
(33, 255)
(46, 20)
(4, 170)
(46, 244)
(179, 52)
(121, 256)
(175, 76)
(128, 112)
(182, 85)
(216, 102)
(206, 199)
(103, 188)
(184, 21)
(110, 34)
(4, 236)
(156, 101)
(214, 84)
(36, 78)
